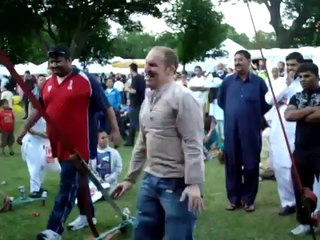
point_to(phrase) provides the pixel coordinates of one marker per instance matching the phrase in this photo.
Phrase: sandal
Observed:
(232, 207)
(249, 209)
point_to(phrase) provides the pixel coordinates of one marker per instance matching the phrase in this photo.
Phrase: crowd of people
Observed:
(233, 110)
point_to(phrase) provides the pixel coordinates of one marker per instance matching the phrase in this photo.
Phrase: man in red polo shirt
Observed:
(71, 98)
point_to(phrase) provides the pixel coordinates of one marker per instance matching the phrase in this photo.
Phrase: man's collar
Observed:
(237, 77)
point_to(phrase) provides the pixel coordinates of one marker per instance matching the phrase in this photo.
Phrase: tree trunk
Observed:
(79, 39)
(283, 35)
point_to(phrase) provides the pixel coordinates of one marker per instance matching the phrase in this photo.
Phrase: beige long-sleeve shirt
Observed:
(170, 140)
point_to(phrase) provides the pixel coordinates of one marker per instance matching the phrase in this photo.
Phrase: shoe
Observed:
(35, 195)
(48, 235)
(287, 211)
(249, 208)
(300, 230)
(233, 207)
(80, 222)
(43, 190)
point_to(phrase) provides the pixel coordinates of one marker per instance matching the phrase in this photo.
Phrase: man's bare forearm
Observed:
(292, 115)
(314, 117)
(34, 117)
(111, 117)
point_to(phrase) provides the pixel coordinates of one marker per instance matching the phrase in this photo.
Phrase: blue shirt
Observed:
(114, 98)
(244, 106)
(97, 105)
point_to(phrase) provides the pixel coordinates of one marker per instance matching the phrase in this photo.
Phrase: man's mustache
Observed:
(238, 65)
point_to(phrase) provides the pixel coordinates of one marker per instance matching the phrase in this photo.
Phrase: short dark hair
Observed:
(309, 67)
(295, 56)
(245, 53)
(41, 75)
(134, 67)
(3, 102)
(27, 72)
(198, 67)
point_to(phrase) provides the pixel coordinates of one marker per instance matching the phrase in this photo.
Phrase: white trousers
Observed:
(220, 127)
(34, 154)
(285, 186)
(316, 190)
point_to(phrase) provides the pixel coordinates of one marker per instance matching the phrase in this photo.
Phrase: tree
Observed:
(197, 27)
(167, 39)
(304, 14)
(75, 23)
(264, 40)
(137, 44)
(132, 44)
(240, 38)
(16, 34)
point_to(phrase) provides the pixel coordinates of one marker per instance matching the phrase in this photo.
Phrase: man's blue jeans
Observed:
(65, 199)
(160, 214)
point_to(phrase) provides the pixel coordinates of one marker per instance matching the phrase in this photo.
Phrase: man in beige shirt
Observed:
(169, 145)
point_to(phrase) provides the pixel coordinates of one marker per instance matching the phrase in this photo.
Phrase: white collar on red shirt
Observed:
(61, 79)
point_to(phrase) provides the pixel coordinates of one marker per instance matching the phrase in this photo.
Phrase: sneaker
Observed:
(80, 222)
(300, 230)
(48, 235)
(35, 195)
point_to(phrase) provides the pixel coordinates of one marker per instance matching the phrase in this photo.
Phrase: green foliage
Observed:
(198, 28)
(302, 16)
(80, 24)
(239, 38)
(167, 39)
(137, 44)
(132, 44)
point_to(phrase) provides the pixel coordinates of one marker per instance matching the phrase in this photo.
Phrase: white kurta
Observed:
(33, 151)
(215, 110)
(200, 96)
(279, 155)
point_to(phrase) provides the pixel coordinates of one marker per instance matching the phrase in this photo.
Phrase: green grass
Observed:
(214, 224)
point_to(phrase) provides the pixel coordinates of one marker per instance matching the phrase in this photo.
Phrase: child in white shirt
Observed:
(109, 161)
(35, 146)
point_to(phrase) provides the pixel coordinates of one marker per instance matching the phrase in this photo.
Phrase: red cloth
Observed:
(6, 121)
(67, 106)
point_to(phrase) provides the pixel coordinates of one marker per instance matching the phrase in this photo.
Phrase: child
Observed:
(34, 151)
(109, 161)
(211, 140)
(6, 126)
(6, 94)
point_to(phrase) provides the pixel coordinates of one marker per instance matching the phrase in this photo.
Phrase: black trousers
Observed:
(308, 166)
(26, 105)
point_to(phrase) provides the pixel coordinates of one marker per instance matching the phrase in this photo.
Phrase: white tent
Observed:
(4, 71)
(228, 46)
(98, 68)
(40, 69)
(22, 68)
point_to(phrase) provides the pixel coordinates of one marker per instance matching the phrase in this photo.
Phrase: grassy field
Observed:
(214, 224)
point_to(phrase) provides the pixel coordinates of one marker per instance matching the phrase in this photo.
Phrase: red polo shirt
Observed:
(6, 121)
(70, 105)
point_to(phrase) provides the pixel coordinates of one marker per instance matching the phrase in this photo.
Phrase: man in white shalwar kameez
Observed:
(279, 155)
